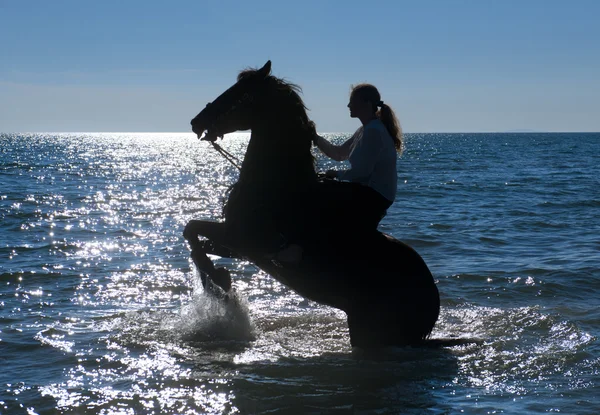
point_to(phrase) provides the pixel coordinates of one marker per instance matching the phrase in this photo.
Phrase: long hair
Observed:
(368, 92)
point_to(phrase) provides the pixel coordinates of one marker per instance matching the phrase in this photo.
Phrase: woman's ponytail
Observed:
(388, 118)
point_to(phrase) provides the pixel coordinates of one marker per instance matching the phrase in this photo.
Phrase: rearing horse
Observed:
(383, 285)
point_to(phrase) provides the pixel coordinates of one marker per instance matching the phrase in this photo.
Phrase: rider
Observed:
(368, 188)
(364, 192)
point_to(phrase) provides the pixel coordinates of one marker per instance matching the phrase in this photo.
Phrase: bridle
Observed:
(227, 155)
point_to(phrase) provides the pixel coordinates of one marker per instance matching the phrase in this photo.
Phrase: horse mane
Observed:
(290, 95)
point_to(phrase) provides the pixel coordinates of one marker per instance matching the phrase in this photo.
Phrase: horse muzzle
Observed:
(204, 133)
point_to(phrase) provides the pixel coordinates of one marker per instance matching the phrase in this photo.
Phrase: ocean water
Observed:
(101, 310)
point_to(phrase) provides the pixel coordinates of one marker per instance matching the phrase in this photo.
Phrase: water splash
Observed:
(208, 318)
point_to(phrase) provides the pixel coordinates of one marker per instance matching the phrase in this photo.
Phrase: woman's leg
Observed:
(354, 206)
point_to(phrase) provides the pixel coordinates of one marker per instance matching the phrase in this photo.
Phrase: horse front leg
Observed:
(215, 232)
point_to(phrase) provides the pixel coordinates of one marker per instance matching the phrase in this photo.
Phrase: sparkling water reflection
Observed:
(102, 311)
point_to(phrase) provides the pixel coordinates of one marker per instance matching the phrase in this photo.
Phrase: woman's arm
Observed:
(364, 157)
(338, 153)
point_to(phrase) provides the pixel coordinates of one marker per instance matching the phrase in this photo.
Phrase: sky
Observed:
(443, 66)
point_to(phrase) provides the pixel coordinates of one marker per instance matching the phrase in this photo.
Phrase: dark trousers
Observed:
(354, 206)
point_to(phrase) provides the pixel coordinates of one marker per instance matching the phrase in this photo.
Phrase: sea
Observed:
(102, 311)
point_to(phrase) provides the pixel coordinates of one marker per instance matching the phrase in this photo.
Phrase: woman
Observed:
(368, 188)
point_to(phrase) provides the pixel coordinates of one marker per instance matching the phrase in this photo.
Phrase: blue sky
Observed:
(444, 66)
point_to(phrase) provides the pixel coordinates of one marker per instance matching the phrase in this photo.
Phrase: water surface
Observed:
(101, 310)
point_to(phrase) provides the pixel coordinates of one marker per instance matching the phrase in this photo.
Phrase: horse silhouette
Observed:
(383, 285)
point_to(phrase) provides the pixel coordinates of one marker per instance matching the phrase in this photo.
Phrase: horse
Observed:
(383, 285)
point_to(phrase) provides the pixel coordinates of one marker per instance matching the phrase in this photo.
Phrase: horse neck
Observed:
(278, 157)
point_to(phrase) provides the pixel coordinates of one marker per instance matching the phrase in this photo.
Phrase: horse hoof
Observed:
(190, 232)
(222, 278)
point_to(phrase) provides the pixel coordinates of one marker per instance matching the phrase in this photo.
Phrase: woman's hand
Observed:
(315, 140)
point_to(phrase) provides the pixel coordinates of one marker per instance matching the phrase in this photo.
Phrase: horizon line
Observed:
(320, 132)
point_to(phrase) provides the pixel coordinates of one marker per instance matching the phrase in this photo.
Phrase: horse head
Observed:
(236, 108)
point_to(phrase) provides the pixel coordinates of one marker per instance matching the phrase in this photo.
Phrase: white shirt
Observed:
(373, 160)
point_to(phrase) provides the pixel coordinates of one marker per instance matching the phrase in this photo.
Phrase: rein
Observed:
(234, 161)
(227, 155)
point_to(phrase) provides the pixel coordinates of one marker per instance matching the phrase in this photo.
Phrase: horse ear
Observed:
(265, 70)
